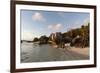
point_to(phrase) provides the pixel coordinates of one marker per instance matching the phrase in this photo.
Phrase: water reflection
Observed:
(32, 52)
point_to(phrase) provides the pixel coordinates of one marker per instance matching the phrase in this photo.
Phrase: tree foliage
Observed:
(83, 32)
(35, 39)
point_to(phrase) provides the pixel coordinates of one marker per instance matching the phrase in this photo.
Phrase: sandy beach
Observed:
(77, 52)
(83, 51)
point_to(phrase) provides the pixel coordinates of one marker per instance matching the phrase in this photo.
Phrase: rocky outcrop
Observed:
(43, 40)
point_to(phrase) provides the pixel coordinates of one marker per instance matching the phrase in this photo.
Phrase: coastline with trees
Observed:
(78, 37)
(54, 35)
(42, 49)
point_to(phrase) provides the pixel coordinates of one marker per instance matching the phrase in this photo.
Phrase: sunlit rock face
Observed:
(56, 37)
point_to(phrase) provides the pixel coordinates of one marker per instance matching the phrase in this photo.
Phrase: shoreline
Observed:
(79, 50)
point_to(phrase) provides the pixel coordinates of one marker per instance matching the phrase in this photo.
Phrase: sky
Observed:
(35, 23)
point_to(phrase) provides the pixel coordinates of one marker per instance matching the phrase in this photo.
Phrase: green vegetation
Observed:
(43, 39)
(83, 32)
(35, 39)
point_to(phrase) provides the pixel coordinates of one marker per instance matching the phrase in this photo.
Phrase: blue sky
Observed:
(35, 23)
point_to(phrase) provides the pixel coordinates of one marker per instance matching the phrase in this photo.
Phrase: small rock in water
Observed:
(55, 46)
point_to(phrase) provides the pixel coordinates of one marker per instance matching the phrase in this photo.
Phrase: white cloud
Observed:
(30, 34)
(37, 17)
(27, 35)
(86, 21)
(50, 26)
(58, 26)
(55, 26)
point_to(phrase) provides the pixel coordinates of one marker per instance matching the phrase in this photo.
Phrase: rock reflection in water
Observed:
(32, 52)
(40, 53)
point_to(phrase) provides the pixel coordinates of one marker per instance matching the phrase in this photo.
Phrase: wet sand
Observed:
(76, 52)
